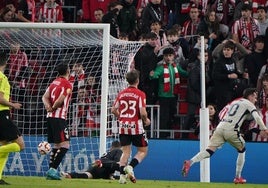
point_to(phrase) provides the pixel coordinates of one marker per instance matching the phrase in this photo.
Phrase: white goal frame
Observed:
(105, 62)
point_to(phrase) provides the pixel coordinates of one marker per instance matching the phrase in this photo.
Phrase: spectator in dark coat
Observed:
(111, 18)
(226, 76)
(146, 61)
(152, 12)
(193, 96)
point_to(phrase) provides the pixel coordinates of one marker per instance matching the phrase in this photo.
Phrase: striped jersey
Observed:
(52, 14)
(128, 102)
(60, 86)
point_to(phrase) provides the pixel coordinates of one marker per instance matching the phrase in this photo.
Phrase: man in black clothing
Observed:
(146, 61)
(102, 168)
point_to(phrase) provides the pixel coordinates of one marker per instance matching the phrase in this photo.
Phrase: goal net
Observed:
(98, 65)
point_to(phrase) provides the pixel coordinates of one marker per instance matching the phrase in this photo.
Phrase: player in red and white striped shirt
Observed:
(130, 109)
(56, 101)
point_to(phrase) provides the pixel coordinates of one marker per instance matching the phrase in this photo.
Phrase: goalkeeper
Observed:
(102, 168)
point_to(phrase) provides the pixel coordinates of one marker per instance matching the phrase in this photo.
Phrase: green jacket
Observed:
(159, 74)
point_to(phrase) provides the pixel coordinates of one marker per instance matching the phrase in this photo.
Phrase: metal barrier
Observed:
(154, 111)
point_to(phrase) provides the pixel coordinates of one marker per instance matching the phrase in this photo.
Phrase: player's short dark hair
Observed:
(62, 68)
(249, 91)
(132, 76)
(3, 58)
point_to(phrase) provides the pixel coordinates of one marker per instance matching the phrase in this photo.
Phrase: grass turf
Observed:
(41, 182)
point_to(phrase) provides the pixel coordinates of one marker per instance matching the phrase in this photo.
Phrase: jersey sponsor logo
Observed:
(125, 125)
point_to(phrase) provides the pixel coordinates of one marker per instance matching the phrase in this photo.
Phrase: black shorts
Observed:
(8, 130)
(100, 173)
(57, 130)
(139, 140)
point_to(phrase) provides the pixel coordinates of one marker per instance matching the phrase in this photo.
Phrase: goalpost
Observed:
(98, 63)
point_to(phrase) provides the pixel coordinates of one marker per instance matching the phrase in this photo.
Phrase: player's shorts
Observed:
(57, 130)
(139, 140)
(220, 136)
(8, 130)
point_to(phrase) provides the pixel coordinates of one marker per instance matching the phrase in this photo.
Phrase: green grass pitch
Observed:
(41, 182)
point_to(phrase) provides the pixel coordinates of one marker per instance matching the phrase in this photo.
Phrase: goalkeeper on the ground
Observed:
(103, 168)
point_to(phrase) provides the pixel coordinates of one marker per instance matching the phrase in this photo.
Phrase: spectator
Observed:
(156, 27)
(146, 61)
(213, 120)
(92, 89)
(176, 43)
(211, 27)
(180, 9)
(182, 41)
(262, 19)
(6, 15)
(82, 113)
(238, 55)
(139, 22)
(19, 75)
(11, 4)
(225, 76)
(127, 19)
(263, 90)
(151, 13)
(111, 18)
(98, 14)
(189, 29)
(193, 96)
(27, 11)
(88, 7)
(246, 28)
(50, 12)
(266, 44)
(224, 11)
(254, 61)
(256, 136)
(238, 8)
(168, 74)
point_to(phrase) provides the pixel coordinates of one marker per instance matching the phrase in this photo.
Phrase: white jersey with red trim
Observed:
(236, 113)
(60, 86)
(128, 102)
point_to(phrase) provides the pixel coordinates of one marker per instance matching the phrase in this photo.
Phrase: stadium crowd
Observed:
(236, 49)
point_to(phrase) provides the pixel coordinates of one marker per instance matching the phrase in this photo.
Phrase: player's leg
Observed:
(11, 134)
(56, 128)
(141, 142)
(216, 141)
(238, 142)
(125, 141)
(11, 141)
(74, 175)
